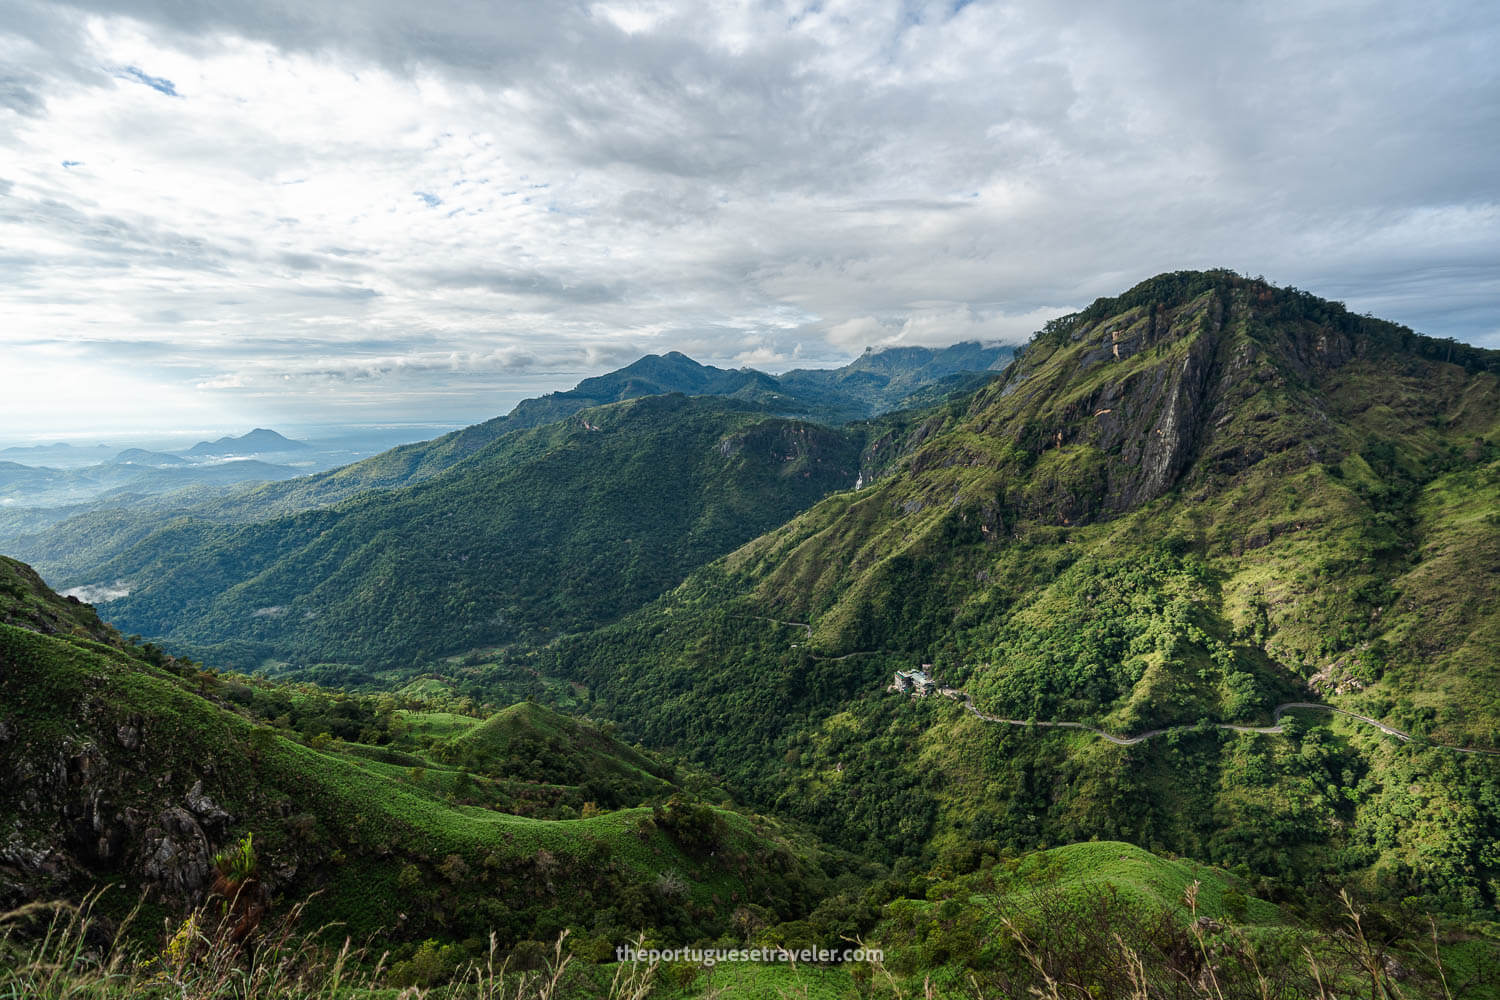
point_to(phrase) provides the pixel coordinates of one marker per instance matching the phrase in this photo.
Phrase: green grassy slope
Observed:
(1106, 918)
(1194, 502)
(133, 767)
(27, 602)
(577, 754)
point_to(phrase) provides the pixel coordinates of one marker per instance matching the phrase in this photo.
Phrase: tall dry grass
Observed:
(64, 951)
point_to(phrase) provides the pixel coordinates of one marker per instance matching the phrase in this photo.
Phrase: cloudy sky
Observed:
(219, 214)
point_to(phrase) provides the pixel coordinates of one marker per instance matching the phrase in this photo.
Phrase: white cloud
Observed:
(408, 205)
(858, 331)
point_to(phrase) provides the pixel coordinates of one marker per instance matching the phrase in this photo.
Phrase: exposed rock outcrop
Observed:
(84, 809)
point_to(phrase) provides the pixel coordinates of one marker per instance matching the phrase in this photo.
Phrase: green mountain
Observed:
(874, 383)
(125, 765)
(897, 377)
(257, 442)
(458, 845)
(557, 527)
(1180, 508)
(150, 459)
(1112, 920)
(70, 542)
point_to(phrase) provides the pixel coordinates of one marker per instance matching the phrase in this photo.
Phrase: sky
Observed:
(218, 215)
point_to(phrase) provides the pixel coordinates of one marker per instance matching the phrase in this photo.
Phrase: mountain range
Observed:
(962, 656)
(1181, 507)
(33, 494)
(69, 542)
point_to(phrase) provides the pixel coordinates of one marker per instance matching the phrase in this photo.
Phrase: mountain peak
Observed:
(261, 439)
(1337, 333)
(1194, 377)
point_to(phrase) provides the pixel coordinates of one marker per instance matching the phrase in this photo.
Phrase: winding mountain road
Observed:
(1275, 729)
(1129, 741)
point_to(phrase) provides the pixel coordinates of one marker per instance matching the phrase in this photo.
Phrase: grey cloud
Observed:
(528, 283)
(120, 242)
(397, 34)
(351, 292)
(300, 261)
(919, 170)
(21, 94)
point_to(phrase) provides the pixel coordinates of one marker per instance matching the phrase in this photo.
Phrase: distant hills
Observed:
(260, 441)
(257, 442)
(29, 486)
(70, 543)
(152, 459)
(59, 456)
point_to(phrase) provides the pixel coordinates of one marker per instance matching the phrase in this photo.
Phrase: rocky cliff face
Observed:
(91, 803)
(90, 787)
(121, 769)
(1167, 393)
(1189, 388)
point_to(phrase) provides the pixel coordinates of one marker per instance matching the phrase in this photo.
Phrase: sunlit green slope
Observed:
(1190, 504)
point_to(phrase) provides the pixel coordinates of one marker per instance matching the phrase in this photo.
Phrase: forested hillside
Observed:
(388, 814)
(1190, 504)
(68, 542)
(558, 527)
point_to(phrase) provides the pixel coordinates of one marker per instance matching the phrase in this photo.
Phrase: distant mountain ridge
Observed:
(33, 493)
(259, 441)
(153, 459)
(553, 527)
(874, 383)
(877, 381)
(60, 455)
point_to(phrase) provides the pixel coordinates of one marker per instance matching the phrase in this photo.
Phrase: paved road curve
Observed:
(1129, 741)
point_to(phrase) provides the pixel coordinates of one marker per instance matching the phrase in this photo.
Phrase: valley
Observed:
(1208, 571)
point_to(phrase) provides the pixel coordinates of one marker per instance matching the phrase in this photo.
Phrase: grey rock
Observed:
(175, 854)
(31, 860)
(207, 811)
